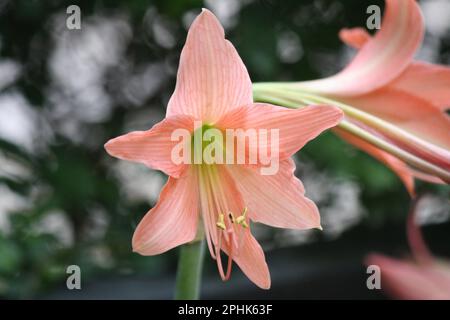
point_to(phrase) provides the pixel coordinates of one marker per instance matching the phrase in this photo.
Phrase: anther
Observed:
(230, 215)
(221, 222)
(241, 219)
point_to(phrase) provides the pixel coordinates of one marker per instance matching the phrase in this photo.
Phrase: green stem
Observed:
(375, 122)
(189, 273)
(291, 99)
(397, 152)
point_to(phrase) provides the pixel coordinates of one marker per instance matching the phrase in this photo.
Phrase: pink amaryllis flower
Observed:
(213, 88)
(395, 107)
(422, 278)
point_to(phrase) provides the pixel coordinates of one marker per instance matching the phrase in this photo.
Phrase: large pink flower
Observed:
(213, 86)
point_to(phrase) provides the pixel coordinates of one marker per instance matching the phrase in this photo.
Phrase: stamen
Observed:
(232, 235)
(210, 245)
(224, 275)
(230, 264)
(242, 219)
(219, 258)
(221, 222)
(223, 230)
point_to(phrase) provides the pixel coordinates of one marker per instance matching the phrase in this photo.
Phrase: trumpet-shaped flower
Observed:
(214, 89)
(395, 107)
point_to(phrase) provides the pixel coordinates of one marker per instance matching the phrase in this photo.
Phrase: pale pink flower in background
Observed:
(409, 280)
(413, 95)
(422, 278)
(213, 86)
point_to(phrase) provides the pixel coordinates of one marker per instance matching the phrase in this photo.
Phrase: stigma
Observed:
(230, 231)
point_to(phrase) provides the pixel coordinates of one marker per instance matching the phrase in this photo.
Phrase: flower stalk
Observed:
(189, 273)
(417, 153)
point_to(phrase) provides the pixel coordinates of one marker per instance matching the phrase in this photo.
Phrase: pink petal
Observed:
(382, 58)
(212, 78)
(417, 245)
(252, 262)
(409, 112)
(426, 177)
(399, 167)
(406, 280)
(277, 200)
(428, 81)
(296, 127)
(173, 221)
(354, 37)
(152, 147)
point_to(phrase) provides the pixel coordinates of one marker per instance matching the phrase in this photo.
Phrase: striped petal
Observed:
(382, 58)
(407, 111)
(295, 127)
(252, 262)
(152, 147)
(427, 81)
(276, 200)
(173, 221)
(212, 78)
